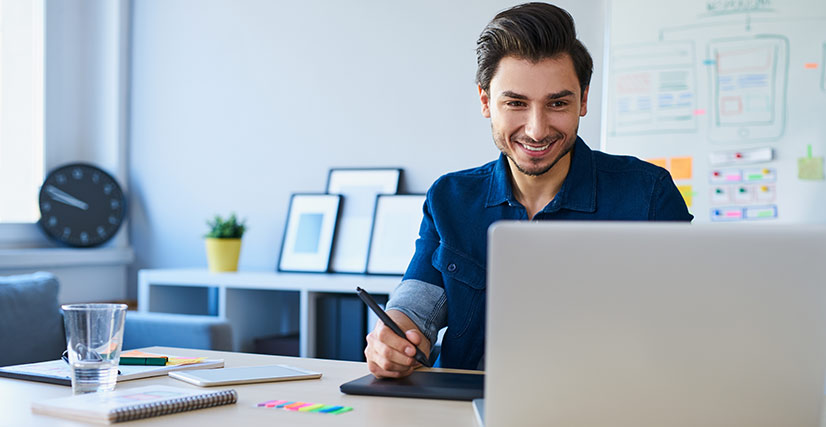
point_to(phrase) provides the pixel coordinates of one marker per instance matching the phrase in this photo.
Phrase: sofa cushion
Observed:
(176, 330)
(31, 326)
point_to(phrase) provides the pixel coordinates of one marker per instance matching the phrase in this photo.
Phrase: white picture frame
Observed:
(395, 230)
(308, 234)
(359, 188)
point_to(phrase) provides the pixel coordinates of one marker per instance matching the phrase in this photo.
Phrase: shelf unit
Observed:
(255, 303)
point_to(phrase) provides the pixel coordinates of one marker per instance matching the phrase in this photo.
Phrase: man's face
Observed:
(534, 111)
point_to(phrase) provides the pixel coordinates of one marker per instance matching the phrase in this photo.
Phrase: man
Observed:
(532, 77)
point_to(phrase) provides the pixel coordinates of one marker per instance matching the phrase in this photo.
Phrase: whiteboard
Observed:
(730, 96)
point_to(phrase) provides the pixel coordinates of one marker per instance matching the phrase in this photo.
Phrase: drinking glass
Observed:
(94, 336)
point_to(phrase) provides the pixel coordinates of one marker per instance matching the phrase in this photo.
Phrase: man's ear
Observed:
(583, 106)
(485, 100)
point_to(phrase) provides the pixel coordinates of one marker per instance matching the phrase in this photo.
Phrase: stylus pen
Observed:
(420, 357)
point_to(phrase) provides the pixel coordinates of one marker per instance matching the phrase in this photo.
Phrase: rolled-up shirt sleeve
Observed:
(424, 303)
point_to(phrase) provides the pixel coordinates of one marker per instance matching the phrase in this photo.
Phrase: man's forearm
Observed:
(422, 303)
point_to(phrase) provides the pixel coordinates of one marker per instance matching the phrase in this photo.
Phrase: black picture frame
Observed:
(309, 231)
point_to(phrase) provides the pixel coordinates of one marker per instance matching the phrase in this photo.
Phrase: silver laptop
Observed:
(655, 324)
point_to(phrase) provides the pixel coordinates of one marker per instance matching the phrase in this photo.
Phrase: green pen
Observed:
(155, 361)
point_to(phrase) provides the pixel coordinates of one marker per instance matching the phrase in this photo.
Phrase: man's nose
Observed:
(537, 126)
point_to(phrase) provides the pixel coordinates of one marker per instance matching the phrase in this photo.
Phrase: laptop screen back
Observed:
(644, 324)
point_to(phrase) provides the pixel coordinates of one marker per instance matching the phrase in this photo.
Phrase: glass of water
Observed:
(94, 336)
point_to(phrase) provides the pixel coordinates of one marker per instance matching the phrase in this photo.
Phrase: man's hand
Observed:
(389, 355)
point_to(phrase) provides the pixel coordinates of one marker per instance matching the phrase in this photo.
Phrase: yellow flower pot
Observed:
(222, 254)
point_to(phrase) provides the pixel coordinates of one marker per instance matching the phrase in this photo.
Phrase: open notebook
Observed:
(59, 372)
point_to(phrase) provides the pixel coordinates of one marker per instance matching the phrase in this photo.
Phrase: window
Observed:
(21, 109)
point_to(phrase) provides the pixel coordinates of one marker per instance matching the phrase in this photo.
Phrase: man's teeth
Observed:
(532, 148)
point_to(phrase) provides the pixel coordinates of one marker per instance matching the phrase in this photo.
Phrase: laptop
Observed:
(655, 324)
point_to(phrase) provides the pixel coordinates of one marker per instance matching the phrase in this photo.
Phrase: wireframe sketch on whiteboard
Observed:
(652, 89)
(748, 85)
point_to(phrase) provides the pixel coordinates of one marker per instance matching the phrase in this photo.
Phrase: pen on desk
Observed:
(420, 357)
(157, 361)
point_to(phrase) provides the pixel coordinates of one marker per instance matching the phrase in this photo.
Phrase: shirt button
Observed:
(451, 268)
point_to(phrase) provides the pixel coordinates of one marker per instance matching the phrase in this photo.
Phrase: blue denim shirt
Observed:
(445, 282)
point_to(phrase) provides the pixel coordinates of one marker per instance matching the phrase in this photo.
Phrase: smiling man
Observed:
(532, 77)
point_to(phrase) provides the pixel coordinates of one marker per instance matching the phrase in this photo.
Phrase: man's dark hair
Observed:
(532, 31)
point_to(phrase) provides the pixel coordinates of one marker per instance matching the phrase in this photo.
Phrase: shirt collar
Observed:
(578, 192)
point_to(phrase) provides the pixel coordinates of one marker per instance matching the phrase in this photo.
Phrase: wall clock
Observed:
(81, 205)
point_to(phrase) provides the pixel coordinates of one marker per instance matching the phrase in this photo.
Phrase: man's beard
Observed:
(501, 145)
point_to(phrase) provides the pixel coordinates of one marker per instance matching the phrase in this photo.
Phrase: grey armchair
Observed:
(31, 324)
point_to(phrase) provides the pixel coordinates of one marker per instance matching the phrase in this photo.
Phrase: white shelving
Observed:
(254, 303)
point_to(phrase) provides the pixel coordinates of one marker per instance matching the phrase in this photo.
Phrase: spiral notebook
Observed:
(132, 404)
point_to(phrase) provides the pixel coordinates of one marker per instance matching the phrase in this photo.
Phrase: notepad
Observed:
(132, 404)
(59, 372)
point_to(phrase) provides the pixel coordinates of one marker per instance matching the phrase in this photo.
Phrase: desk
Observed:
(16, 397)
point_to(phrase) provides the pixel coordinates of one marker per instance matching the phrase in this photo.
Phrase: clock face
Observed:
(81, 205)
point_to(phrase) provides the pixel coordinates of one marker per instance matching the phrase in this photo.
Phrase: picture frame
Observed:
(308, 233)
(394, 233)
(359, 188)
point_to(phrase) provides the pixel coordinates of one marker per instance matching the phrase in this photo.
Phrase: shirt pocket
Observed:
(464, 281)
(457, 266)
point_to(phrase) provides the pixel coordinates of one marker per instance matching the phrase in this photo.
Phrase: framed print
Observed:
(395, 230)
(359, 187)
(308, 236)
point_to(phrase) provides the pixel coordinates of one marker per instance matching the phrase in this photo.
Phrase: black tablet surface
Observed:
(424, 385)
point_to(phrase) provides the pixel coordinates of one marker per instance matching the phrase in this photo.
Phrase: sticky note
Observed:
(332, 409)
(294, 406)
(681, 167)
(311, 407)
(687, 193)
(810, 167)
(184, 360)
(658, 162)
(342, 410)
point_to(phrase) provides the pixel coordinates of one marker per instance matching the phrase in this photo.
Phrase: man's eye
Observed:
(515, 104)
(558, 104)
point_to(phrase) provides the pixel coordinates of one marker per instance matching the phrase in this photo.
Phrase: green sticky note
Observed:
(810, 168)
(343, 410)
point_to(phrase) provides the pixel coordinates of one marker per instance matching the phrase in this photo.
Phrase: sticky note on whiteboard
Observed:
(687, 193)
(658, 162)
(681, 168)
(810, 168)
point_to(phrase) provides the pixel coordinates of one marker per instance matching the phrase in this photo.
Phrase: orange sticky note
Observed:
(658, 162)
(687, 193)
(681, 167)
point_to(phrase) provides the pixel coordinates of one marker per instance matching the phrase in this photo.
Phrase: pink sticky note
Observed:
(274, 403)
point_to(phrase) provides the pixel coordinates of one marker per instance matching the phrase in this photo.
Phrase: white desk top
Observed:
(16, 397)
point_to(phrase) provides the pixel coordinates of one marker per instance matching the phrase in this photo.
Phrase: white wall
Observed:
(237, 104)
(85, 118)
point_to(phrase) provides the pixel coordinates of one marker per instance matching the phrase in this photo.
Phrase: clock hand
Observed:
(63, 197)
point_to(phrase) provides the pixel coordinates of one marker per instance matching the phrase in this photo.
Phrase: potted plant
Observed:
(223, 243)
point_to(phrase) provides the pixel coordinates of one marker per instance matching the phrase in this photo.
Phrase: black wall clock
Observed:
(81, 205)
